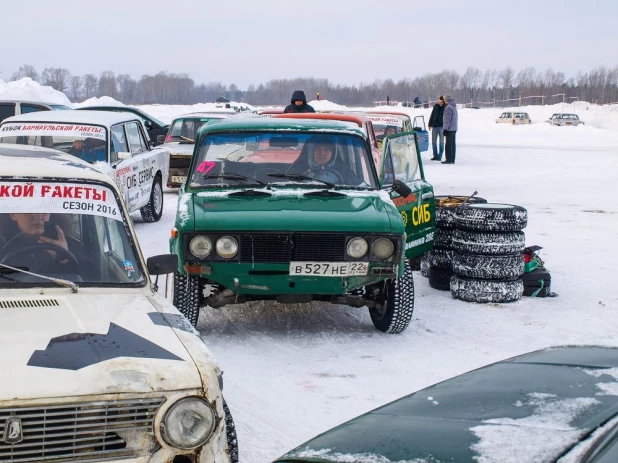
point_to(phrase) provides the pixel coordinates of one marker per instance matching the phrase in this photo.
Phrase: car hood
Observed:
(551, 398)
(84, 344)
(178, 149)
(296, 209)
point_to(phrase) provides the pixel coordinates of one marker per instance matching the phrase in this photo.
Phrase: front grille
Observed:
(80, 432)
(284, 248)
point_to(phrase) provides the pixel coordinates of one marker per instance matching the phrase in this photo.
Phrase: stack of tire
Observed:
(487, 252)
(437, 264)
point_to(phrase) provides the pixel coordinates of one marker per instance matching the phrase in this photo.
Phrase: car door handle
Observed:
(427, 195)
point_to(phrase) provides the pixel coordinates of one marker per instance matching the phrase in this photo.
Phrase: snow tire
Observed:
(230, 431)
(484, 291)
(440, 278)
(476, 242)
(488, 267)
(153, 211)
(445, 208)
(443, 238)
(442, 258)
(491, 217)
(424, 265)
(188, 296)
(398, 305)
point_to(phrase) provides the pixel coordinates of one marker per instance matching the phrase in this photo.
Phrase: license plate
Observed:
(178, 179)
(329, 269)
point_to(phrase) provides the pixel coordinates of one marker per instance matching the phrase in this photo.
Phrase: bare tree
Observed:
(57, 78)
(90, 85)
(27, 70)
(76, 88)
(107, 84)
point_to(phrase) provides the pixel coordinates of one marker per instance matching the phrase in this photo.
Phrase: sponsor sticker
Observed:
(17, 129)
(63, 198)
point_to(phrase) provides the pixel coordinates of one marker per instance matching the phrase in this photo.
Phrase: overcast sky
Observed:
(346, 41)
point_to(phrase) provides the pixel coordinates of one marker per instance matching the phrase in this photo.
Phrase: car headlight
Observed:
(382, 248)
(188, 423)
(227, 247)
(200, 246)
(357, 247)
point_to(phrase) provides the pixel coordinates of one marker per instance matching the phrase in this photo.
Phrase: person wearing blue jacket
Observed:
(449, 125)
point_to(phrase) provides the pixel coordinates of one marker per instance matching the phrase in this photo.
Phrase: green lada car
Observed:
(301, 210)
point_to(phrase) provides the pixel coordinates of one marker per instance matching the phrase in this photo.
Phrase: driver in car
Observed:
(28, 240)
(90, 149)
(322, 160)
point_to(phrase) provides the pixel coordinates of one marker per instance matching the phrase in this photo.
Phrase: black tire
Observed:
(475, 242)
(424, 266)
(397, 308)
(442, 258)
(230, 431)
(488, 267)
(443, 238)
(484, 291)
(440, 278)
(188, 296)
(153, 211)
(491, 217)
(445, 208)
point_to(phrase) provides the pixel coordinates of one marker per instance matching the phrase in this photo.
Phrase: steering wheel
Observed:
(72, 265)
(318, 170)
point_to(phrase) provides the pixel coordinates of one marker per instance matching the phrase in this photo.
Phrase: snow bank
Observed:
(30, 90)
(99, 101)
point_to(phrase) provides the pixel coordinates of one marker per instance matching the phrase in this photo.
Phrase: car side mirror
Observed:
(160, 138)
(163, 264)
(124, 155)
(401, 189)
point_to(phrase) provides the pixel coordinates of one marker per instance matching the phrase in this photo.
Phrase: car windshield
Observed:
(87, 142)
(521, 115)
(385, 125)
(276, 157)
(71, 231)
(59, 107)
(185, 129)
(570, 116)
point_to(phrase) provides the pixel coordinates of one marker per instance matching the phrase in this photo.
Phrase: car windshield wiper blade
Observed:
(58, 281)
(237, 177)
(302, 178)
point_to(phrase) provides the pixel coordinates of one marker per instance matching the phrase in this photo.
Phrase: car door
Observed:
(402, 161)
(418, 125)
(125, 165)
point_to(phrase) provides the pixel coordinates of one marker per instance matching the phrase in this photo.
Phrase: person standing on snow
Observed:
(435, 125)
(449, 126)
(298, 104)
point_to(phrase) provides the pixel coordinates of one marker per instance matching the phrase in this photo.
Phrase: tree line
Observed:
(599, 85)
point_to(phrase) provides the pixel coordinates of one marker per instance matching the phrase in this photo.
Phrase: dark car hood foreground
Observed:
(535, 407)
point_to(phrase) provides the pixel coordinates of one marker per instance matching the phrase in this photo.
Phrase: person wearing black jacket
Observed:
(298, 104)
(435, 125)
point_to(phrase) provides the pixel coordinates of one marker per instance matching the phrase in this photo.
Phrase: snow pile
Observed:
(27, 89)
(325, 105)
(99, 101)
(537, 437)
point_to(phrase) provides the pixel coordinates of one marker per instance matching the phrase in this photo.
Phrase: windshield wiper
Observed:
(302, 178)
(58, 281)
(237, 177)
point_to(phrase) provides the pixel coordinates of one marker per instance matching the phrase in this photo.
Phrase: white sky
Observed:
(345, 41)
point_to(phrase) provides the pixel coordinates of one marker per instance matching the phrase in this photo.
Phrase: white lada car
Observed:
(115, 143)
(96, 366)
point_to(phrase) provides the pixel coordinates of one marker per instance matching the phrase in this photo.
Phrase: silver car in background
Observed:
(564, 119)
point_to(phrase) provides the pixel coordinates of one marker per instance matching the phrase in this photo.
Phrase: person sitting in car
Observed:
(321, 161)
(90, 149)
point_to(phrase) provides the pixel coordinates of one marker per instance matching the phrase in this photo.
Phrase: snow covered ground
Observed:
(292, 372)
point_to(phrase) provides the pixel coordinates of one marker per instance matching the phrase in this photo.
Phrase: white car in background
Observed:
(180, 140)
(97, 366)
(512, 117)
(116, 143)
(562, 119)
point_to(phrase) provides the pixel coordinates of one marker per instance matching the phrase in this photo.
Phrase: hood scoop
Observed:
(27, 303)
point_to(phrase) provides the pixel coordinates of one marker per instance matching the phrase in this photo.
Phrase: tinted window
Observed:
(29, 108)
(118, 143)
(7, 110)
(136, 140)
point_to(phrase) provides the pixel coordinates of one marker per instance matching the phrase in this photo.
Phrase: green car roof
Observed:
(268, 124)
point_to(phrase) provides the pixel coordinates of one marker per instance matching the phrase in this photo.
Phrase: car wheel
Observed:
(445, 208)
(442, 258)
(488, 267)
(477, 242)
(443, 238)
(484, 291)
(188, 296)
(230, 431)
(394, 309)
(153, 211)
(424, 265)
(491, 217)
(440, 278)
